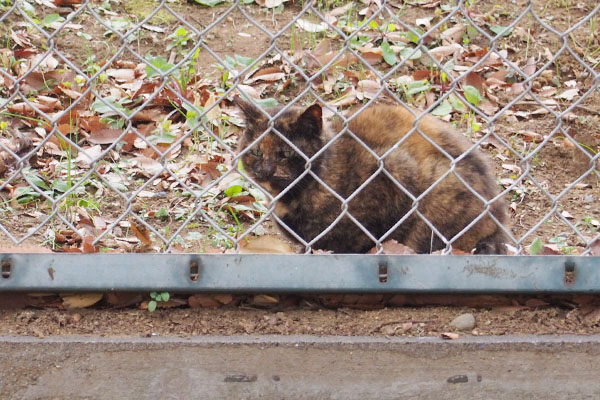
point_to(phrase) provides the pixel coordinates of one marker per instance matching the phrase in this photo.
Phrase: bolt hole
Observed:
(194, 271)
(383, 273)
(6, 268)
(569, 273)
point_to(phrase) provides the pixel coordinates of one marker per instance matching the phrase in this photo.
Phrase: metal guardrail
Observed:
(292, 273)
(273, 272)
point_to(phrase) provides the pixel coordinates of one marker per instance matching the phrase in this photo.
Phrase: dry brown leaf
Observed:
(311, 26)
(529, 68)
(141, 232)
(122, 299)
(263, 300)
(265, 244)
(347, 98)
(454, 34)
(449, 335)
(88, 244)
(336, 12)
(473, 79)
(531, 136)
(439, 53)
(516, 89)
(121, 75)
(566, 214)
(536, 303)
(547, 91)
(488, 107)
(88, 155)
(203, 300)
(372, 56)
(150, 114)
(568, 94)
(73, 94)
(148, 166)
(367, 89)
(269, 74)
(80, 300)
(270, 3)
(60, 3)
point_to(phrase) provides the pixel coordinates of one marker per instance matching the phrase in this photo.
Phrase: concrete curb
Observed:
(300, 367)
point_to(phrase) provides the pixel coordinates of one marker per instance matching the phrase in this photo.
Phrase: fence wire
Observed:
(120, 130)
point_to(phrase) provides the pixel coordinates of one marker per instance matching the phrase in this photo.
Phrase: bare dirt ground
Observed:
(321, 315)
(550, 157)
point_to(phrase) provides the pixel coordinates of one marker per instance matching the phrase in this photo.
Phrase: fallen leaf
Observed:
(449, 335)
(265, 244)
(270, 3)
(443, 51)
(488, 107)
(121, 75)
(473, 79)
(100, 133)
(122, 299)
(148, 166)
(424, 22)
(547, 91)
(568, 94)
(336, 12)
(203, 300)
(516, 89)
(367, 89)
(347, 98)
(141, 232)
(454, 34)
(88, 155)
(269, 74)
(529, 68)
(88, 244)
(263, 300)
(567, 214)
(311, 26)
(80, 300)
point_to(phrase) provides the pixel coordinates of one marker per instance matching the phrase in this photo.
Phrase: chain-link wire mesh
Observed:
(120, 130)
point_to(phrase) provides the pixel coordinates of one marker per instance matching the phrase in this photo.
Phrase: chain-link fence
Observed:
(122, 129)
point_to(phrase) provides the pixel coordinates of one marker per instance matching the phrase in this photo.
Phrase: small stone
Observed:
(464, 322)
(388, 330)
(589, 198)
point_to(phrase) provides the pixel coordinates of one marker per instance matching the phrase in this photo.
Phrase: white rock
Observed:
(464, 322)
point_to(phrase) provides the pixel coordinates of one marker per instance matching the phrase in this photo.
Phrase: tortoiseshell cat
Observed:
(309, 208)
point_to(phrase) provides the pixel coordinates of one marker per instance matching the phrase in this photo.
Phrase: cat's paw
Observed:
(490, 246)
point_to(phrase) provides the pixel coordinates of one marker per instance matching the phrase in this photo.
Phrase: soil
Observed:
(320, 316)
(535, 210)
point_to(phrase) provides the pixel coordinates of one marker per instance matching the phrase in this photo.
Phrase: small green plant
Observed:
(474, 97)
(162, 214)
(588, 224)
(561, 242)
(179, 39)
(536, 246)
(156, 298)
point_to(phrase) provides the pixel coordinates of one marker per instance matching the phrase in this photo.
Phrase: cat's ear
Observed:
(251, 112)
(311, 120)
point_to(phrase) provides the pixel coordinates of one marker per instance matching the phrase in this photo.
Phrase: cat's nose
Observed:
(267, 170)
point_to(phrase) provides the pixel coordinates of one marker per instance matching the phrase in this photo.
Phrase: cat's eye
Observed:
(256, 152)
(287, 153)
